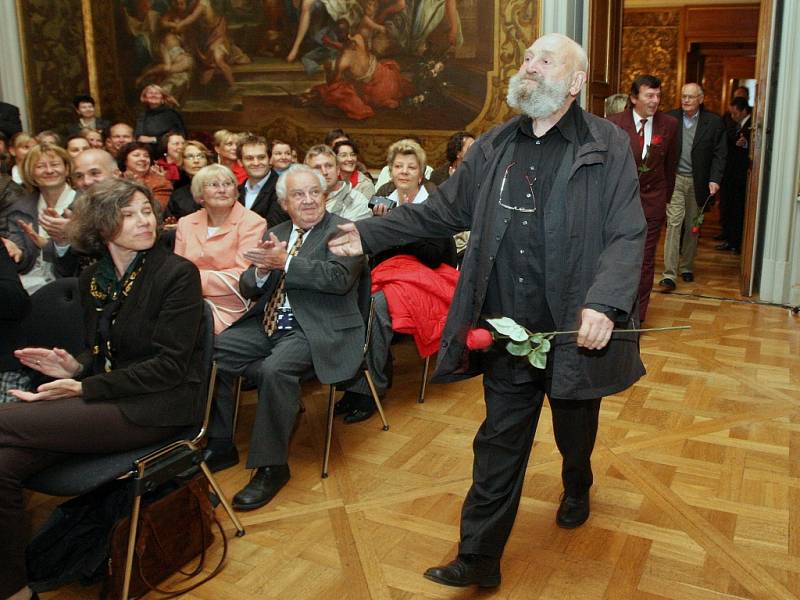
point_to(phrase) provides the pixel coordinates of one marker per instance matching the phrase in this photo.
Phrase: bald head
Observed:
(91, 166)
(551, 77)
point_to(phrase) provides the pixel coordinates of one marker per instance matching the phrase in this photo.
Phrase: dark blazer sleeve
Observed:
(10, 123)
(720, 153)
(172, 344)
(13, 297)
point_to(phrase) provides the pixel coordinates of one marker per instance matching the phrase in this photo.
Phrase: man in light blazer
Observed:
(654, 143)
(319, 327)
(702, 150)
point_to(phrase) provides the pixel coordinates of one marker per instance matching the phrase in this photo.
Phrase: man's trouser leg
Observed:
(501, 450)
(676, 211)
(575, 430)
(689, 241)
(379, 348)
(649, 264)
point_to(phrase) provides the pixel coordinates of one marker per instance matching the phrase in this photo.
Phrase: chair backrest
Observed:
(56, 317)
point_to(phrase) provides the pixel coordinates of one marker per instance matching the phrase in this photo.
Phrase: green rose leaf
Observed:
(519, 348)
(509, 327)
(538, 358)
(545, 346)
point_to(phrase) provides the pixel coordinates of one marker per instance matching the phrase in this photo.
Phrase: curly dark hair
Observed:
(97, 215)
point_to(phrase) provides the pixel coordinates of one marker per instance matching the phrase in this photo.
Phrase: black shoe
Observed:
(723, 246)
(220, 455)
(263, 487)
(343, 406)
(467, 569)
(666, 284)
(688, 276)
(358, 415)
(573, 511)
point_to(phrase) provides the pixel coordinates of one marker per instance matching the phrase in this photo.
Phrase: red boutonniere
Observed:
(654, 141)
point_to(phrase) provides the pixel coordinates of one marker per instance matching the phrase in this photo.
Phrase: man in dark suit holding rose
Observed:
(654, 143)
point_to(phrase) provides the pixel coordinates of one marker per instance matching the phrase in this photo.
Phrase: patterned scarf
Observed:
(109, 295)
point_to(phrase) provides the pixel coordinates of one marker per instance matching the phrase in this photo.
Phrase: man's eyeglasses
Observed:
(531, 195)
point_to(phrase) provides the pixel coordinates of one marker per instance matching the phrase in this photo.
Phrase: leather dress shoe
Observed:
(573, 511)
(263, 487)
(362, 407)
(220, 455)
(667, 284)
(467, 569)
(688, 276)
(343, 406)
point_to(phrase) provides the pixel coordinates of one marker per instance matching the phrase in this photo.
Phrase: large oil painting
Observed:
(380, 69)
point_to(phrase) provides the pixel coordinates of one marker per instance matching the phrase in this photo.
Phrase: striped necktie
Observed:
(279, 295)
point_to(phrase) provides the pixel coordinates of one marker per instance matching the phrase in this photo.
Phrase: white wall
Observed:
(12, 80)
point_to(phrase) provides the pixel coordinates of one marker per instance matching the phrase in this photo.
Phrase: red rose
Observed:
(479, 339)
(656, 140)
(695, 230)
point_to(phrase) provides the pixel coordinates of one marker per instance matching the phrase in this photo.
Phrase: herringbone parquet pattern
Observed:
(697, 479)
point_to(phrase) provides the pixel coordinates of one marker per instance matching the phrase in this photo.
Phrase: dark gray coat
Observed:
(594, 252)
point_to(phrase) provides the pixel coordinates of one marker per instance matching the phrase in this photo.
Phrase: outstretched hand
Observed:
(347, 242)
(56, 362)
(28, 230)
(13, 250)
(52, 390)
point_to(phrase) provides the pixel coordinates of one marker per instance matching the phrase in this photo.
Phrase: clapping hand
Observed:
(347, 242)
(13, 250)
(53, 390)
(55, 362)
(269, 254)
(28, 229)
(54, 224)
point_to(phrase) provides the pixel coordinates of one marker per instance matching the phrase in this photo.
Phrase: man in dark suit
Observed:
(258, 192)
(701, 162)
(654, 142)
(734, 184)
(306, 316)
(9, 119)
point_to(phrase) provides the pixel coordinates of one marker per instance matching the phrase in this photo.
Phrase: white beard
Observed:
(541, 101)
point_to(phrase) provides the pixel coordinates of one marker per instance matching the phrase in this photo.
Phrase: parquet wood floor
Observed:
(697, 479)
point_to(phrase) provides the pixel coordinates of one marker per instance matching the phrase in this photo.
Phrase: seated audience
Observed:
(194, 157)
(342, 200)
(347, 158)
(139, 381)
(119, 135)
(225, 145)
(258, 192)
(87, 117)
(215, 238)
(170, 149)
(77, 144)
(16, 303)
(39, 214)
(306, 315)
(134, 162)
(281, 155)
(158, 116)
(337, 135)
(94, 137)
(385, 175)
(457, 147)
(20, 145)
(426, 288)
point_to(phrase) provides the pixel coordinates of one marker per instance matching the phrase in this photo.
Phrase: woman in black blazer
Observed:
(139, 380)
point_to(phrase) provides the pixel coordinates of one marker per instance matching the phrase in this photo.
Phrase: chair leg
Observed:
(132, 531)
(237, 394)
(376, 398)
(328, 432)
(423, 384)
(222, 498)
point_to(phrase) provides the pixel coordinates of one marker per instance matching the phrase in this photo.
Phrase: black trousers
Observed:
(501, 450)
(36, 435)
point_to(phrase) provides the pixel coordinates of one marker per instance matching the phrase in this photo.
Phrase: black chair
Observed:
(145, 468)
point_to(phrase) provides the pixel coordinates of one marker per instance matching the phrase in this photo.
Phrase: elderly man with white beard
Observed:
(552, 200)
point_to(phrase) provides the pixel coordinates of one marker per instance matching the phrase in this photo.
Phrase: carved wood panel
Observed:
(651, 41)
